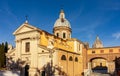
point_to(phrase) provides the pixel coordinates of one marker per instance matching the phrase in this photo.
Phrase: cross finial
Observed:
(97, 37)
(62, 6)
(26, 17)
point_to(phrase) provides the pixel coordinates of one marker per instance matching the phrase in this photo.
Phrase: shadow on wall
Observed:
(100, 69)
(117, 66)
(19, 65)
(49, 70)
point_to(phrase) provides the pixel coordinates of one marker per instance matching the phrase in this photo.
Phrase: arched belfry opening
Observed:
(62, 28)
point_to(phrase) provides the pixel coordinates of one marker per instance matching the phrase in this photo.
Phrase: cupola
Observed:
(62, 28)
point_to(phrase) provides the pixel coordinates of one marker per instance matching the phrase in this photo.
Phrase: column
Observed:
(89, 65)
(34, 57)
(18, 49)
(111, 67)
(88, 72)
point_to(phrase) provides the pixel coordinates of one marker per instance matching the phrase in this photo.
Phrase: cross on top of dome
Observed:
(62, 21)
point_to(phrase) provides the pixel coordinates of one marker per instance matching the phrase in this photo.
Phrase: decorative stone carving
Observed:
(50, 43)
(17, 41)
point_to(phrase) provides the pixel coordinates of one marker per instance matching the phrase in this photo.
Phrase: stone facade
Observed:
(67, 56)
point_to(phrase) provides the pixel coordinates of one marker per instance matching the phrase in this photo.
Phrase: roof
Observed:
(62, 21)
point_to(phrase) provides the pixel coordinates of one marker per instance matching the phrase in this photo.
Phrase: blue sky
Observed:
(88, 18)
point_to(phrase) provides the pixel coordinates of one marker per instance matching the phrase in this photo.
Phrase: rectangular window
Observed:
(27, 47)
(119, 50)
(93, 51)
(101, 51)
(111, 50)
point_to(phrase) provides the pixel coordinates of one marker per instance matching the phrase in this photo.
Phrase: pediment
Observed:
(24, 28)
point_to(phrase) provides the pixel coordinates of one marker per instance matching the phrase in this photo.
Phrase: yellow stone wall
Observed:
(67, 48)
(99, 62)
(103, 51)
(72, 68)
(59, 43)
(106, 50)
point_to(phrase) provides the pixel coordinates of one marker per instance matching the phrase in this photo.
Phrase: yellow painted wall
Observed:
(43, 39)
(98, 62)
(106, 50)
(70, 65)
(62, 63)
(72, 68)
(80, 64)
(59, 43)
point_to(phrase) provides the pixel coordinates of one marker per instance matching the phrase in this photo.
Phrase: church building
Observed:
(56, 53)
(38, 48)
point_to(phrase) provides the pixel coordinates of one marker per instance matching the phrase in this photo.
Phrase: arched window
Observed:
(63, 57)
(57, 34)
(76, 59)
(70, 58)
(64, 35)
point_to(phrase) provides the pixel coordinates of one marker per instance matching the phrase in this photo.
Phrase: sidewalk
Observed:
(9, 73)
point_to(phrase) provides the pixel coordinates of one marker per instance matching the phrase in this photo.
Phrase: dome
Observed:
(97, 43)
(62, 21)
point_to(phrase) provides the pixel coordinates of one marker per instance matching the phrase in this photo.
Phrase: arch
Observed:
(70, 58)
(76, 59)
(97, 58)
(63, 57)
(99, 64)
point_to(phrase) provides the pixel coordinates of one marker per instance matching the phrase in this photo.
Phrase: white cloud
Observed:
(116, 35)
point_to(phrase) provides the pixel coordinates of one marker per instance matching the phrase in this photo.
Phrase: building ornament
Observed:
(18, 40)
(50, 43)
(35, 38)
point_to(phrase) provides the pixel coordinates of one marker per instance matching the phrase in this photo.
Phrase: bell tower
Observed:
(62, 28)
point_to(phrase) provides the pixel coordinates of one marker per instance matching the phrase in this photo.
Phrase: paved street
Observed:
(9, 73)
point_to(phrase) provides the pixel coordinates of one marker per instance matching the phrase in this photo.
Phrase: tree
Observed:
(2, 55)
(3, 50)
(6, 47)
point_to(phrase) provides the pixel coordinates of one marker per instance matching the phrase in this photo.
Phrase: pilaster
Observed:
(34, 56)
(18, 48)
(111, 67)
